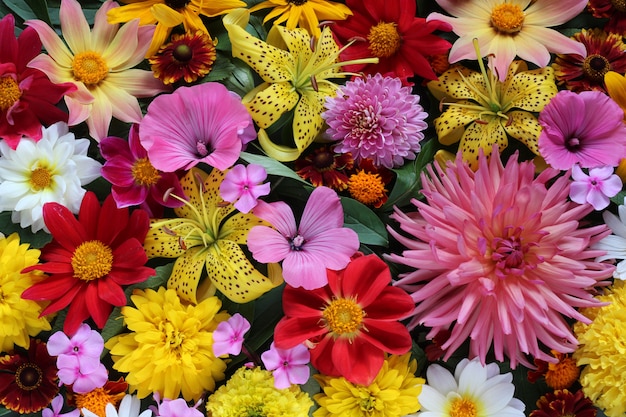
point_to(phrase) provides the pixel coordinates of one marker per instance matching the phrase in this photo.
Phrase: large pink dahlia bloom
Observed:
(499, 257)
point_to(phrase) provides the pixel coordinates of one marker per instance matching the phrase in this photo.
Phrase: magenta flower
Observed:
(574, 133)
(376, 118)
(289, 366)
(320, 242)
(228, 336)
(203, 123)
(243, 185)
(134, 180)
(85, 346)
(56, 406)
(595, 188)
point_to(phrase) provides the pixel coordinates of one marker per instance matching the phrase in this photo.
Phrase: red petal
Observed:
(298, 302)
(358, 361)
(76, 315)
(322, 357)
(112, 221)
(89, 214)
(392, 304)
(51, 288)
(99, 309)
(138, 226)
(110, 292)
(130, 254)
(290, 332)
(62, 302)
(391, 337)
(63, 226)
(51, 268)
(365, 278)
(123, 276)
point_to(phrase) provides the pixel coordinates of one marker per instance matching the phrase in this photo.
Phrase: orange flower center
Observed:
(620, 5)
(40, 178)
(595, 66)
(462, 407)
(562, 375)
(9, 92)
(92, 260)
(366, 188)
(96, 400)
(28, 376)
(144, 173)
(384, 40)
(343, 316)
(507, 18)
(89, 68)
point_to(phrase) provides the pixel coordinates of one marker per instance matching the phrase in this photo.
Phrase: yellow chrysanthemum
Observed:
(19, 318)
(251, 392)
(393, 393)
(169, 349)
(303, 13)
(602, 352)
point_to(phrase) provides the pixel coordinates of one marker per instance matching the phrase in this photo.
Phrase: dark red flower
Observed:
(563, 403)
(28, 380)
(325, 167)
(614, 10)
(390, 31)
(352, 321)
(27, 97)
(90, 259)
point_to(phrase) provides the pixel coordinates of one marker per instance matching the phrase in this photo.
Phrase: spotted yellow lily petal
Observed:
(482, 136)
(163, 242)
(268, 102)
(455, 84)
(278, 152)
(530, 90)
(308, 121)
(187, 272)
(451, 124)
(524, 127)
(616, 87)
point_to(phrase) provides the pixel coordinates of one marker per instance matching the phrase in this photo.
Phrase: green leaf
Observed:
(222, 69)
(36, 240)
(619, 198)
(4, 411)
(272, 166)
(40, 8)
(364, 222)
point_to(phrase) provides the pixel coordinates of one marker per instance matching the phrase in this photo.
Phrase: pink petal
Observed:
(58, 343)
(103, 32)
(267, 245)
(74, 26)
(306, 270)
(279, 215)
(57, 50)
(137, 82)
(323, 211)
(552, 13)
(333, 247)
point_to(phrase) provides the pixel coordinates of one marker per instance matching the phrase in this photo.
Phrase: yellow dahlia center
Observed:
(174, 338)
(367, 403)
(462, 407)
(620, 5)
(366, 188)
(384, 40)
(28, 376)
(40, 178)
(343, 316)
(89, 68)
(9, 92)
(92, 260)
(507, 18)
(563, 374)
(96, 401)
(144, 173)
(595, 67)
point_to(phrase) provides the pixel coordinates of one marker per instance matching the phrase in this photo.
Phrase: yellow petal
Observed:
(482, 136)
(451, 124)
(524, 127)
(160, 244)
(616, 87)
(166, 15)
(454, 84)
(307, 120)
(133, 11)
(296, 41)
(278, 152)
(186, 274)
(530, 90)
(268, 102)
(236, 227)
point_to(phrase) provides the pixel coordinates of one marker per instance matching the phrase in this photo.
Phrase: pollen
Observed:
(563, 374)
(40, 178)
(96, 400)
(507, 18)
(343, 316)
(462, 407)
(384, 40)
(9, 92)
(144, 173)
(92, 260)
(366, 188)
(89, 68)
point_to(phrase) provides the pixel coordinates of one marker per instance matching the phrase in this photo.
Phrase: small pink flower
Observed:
(595, 188)
(85, 346)
(243, 185)
(175, 408)
(69, 374)
(228, 336)
(57, 406)
(289, 366)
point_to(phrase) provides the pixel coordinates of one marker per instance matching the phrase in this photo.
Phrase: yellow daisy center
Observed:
(507, 18)
(366, 188)
(28, 376)
(144, 173)
(384, 40)
(9, 92)
(89, 68)
(40, 178)
(595, 66)
(96, 400)
(462, 407)
(343, 316)
(563, 374)
(92, 260)
(620, 5)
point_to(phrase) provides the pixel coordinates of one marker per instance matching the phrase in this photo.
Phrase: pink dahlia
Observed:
(376, 118)
(500, 258)
(203, 123)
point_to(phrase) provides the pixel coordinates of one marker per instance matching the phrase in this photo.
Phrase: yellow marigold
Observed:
(602, 352)
(251, 392)
(170, 347)
(19, 318)
(393, 393)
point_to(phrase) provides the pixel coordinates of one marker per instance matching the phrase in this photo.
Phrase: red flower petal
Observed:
(290, 332)
(364, 278)
(88, 215)
(389, 336)
(61, 302)
(111, 292)
(76, 315)
(51, 288)
(392, 304)
(112, 221)
(358, 361)
(63, 226)
(99, 310)
(298, 302)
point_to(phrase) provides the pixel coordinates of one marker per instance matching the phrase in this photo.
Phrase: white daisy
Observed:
(615, 244)
(54, 169)
(473, 391)
(129, 407)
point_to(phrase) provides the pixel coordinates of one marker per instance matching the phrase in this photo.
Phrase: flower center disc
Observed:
(92, 260)
(144, 173)
(563, 374)
(28, 376)
(366, 188)
(384, 40)
(462, 407)
(343, 316)
(507, 18)
(96, 401)
(89, 68)
(9, 92)
(40, 179)
(595, 66)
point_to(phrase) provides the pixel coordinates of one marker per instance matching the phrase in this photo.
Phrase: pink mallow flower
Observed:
(134, 180)
(243, 185)
(174, 408)
(56, 407)
(203, 123)
(595, 188)
(289, 366)
(228, 336)
(320, 242)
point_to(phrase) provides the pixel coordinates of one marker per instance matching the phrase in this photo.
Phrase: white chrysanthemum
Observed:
(129, 407)
(615, 244)
(474, 390)
(54, 169)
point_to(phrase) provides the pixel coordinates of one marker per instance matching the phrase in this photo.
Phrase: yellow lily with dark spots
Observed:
(296, 71)
(207, 234)
(482, 111)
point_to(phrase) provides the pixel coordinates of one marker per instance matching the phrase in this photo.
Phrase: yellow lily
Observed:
(294, 75)
(616, 87)
(207, 235)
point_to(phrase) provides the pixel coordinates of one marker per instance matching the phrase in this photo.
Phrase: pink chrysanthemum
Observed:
(500, 258)
(376, 118)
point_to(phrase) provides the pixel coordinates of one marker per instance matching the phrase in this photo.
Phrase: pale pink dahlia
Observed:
(376, 118)
(500, 258)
